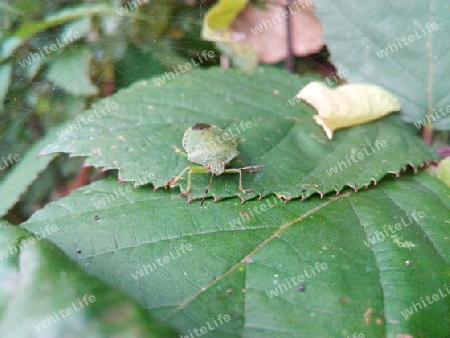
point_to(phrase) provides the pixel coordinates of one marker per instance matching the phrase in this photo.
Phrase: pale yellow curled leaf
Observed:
(216, 24)
(347, 105)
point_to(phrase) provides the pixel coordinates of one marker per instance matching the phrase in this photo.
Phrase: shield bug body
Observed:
(213, 148)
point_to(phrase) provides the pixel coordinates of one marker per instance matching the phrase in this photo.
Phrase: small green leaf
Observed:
(222, 14)
(67, 14)
(71, 65)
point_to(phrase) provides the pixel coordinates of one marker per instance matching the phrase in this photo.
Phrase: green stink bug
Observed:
(213, 148)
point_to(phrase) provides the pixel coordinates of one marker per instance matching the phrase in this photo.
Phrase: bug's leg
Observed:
(174, 180)
(253, 168)
(192, 170)
(241, 188)
(188, 188)
(239, 170)
(207, 189)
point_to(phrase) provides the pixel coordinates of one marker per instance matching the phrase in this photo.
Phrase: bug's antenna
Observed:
(207, 188)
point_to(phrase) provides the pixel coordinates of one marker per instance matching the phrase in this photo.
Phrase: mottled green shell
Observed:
(209, 146)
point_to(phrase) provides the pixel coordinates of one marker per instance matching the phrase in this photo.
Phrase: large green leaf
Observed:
(45, 294)
(395, 46)
(137, 137)
(188, 265)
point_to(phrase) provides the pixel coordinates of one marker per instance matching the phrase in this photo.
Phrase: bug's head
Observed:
(216, 167)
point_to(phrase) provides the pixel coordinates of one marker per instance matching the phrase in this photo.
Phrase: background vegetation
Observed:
(370, 240)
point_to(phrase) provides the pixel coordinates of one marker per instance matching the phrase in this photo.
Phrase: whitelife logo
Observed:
(296, 280)
(69, 38)
(109, 198)
(86, 119)
(227, 136)
(379, 236)
(152, 266)
(130, 6)
(281, 17)
(159, 81)
(10, 160)
(437, 114)
(418, 306)
(222, 319)
(14, 249)
(341, 165)
(52, 319)
(393, 47)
